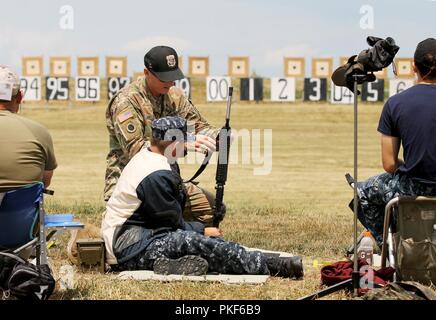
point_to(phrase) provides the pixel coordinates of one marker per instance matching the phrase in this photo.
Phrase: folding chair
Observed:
(23, 222)
(408, 247)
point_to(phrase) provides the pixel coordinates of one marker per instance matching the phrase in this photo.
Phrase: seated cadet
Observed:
(27, 154)
(143, 226)
(407, 119)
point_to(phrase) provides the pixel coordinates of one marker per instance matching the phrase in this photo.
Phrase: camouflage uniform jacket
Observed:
(129, 116)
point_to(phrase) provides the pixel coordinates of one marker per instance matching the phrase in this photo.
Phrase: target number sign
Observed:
(31, 87)
(373, 91)
(282, 89)
(115, 84)
(56, 88)
(399, 85)
(87, 89)
(315, 89)
(217, 88)
(185, 85)
(341, 95)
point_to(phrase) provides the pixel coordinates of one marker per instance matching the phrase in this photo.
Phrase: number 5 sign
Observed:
(282, 89)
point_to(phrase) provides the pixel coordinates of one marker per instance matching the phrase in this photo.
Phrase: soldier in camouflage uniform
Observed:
(407, 119)
(129, 116)
(143, 226)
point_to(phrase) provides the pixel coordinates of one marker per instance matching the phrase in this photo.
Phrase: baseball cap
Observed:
(425, 47)
(9, 83)
(171, 129)
(163, 62)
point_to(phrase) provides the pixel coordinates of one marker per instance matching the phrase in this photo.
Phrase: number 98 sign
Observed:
(87, 88)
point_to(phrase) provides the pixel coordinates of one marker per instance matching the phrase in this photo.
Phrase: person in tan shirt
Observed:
(27, 154)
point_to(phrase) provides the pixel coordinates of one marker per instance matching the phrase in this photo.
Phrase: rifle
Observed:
(223, 148)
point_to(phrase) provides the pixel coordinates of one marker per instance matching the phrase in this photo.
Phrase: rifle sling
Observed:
(201, 169)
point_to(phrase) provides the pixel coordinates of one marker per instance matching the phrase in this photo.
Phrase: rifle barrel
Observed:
(229, 105)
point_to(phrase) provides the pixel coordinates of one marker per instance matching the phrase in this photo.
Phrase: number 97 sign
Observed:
(87, 89)
(217, 88)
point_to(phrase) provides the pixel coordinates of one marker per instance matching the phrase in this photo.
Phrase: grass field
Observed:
(300, 207)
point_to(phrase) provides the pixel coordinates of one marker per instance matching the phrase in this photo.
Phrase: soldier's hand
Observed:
(202, 144)
(212, 232)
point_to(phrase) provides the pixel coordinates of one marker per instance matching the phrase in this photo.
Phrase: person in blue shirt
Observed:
(408, 119)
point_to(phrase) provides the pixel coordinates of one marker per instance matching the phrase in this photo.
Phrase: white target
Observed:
(199, 66)
(404, 67)
(60, 66)
(87, 67)
(31, 87)
(294, 67)
(87, 89)
(217, 88)
(341, 95)
(116, 67)
(322, 68)
(239, 67)
(282, 89)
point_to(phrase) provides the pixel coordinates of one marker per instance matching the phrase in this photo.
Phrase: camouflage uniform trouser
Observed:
(199, 204)
(222, 256)
(375, 193)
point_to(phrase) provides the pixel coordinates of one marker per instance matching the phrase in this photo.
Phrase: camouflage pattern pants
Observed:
(223, 256)
(375, 193)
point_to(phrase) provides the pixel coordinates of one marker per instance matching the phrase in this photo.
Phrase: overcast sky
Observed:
(266, 31)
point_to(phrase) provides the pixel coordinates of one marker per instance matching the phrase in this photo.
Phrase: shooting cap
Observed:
(163, 62)
(171, 129)
(425, 47)
(9, 83)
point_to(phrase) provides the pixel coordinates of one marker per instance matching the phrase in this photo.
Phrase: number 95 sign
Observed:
(87, 88)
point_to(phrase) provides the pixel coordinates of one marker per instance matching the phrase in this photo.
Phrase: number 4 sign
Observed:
(341, 95)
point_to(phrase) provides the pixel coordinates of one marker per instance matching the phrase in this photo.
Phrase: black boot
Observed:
(286, 267)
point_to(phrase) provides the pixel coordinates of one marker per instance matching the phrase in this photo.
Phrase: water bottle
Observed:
(433, 235)
(366, 248)
(66, 273)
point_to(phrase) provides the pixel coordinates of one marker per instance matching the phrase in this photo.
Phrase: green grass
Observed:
(300, 207)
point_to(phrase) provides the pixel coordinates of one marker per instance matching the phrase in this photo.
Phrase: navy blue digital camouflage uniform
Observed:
(222, 256)
(377, 191)
(411, 117)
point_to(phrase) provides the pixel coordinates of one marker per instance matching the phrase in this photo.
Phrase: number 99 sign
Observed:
(87, 89)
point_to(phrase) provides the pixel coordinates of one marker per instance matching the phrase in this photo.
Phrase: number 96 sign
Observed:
(87, 88)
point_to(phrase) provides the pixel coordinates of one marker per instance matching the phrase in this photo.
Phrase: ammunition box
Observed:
(91, 254)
